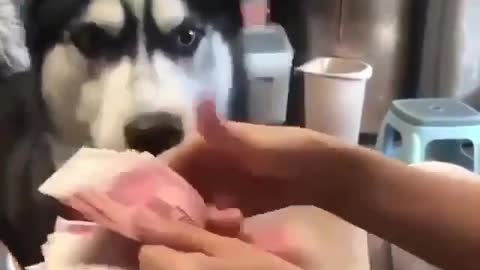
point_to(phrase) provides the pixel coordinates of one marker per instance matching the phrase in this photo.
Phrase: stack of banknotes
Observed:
(108, 188)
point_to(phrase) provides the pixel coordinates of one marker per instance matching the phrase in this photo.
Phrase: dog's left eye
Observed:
(186, 38)
(180, 42)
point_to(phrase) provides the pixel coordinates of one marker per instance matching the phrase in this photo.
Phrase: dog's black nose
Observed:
(154, 132)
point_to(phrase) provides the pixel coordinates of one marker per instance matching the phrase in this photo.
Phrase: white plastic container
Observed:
(268, 61)
(334, 96)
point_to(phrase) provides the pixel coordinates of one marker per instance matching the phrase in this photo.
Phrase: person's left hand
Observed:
(186, 247)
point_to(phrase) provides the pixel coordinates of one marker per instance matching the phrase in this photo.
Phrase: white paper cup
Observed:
(334, 96)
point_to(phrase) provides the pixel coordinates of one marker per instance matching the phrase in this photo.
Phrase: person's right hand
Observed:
(257, 168)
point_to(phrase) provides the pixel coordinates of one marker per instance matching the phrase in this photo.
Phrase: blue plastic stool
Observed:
(427, 126)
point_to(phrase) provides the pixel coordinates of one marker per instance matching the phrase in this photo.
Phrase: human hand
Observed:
(257, 168)
(186, 247)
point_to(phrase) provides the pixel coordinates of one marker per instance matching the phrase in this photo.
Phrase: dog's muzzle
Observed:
(155, 132)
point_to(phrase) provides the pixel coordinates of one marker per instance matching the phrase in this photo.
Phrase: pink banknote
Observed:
(109, 188)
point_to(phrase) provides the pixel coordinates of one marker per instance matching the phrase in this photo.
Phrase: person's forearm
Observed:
(431, 215)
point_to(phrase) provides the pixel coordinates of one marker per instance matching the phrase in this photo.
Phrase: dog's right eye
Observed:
(90, 39)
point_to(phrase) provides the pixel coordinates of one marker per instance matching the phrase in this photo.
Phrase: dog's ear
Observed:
(46, 19)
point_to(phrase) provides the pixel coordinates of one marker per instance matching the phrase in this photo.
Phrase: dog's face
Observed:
(128, 73)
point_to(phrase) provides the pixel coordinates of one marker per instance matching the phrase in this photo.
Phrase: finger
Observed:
(152, 229)
(251, 143)
(226, 222)
(193, 152)
(106, 212)
(281, 242)
(191, 142)
(228, 134)
(213, 128)
(225, 216)
(217, 132)
(161, 257)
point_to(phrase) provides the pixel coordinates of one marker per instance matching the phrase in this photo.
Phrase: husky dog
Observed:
(127, 73)
(118, 74)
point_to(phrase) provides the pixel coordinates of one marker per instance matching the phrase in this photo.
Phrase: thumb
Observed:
(214, 130)
(158, 258)
(249, 143)
(262, 150)
(226, 222)
(164, 258)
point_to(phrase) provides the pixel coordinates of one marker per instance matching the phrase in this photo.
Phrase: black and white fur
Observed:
(112, 74)
(13, 52)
